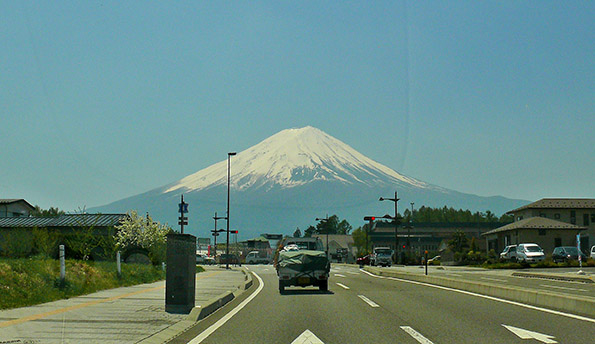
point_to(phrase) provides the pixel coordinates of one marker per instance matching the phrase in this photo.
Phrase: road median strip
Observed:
(567, 303)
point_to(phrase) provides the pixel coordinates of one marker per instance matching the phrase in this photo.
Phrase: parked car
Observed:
(200, 258)
(593, 252)
(566, 253)
(529, 253)
(509, 253)
(365, 260)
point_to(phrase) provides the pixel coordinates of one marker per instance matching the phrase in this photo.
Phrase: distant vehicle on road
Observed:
(593, 252)
(302, 262)
(255, 257)
(529, 253)
(382, 256)
(509, 253)
(228, 258)
(566, 253)
(365, 260)
(200, 258)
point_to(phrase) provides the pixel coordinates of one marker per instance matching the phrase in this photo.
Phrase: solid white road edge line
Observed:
(342, 286)
(204, 334)
(368, 301)
(573, 316)
(416, 335)
(339, 275)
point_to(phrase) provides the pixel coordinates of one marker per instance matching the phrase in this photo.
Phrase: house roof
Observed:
(65, 220)
(536, 223)
(15, 200)
(559, 203)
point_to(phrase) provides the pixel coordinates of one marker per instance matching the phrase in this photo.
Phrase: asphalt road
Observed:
(359, 308)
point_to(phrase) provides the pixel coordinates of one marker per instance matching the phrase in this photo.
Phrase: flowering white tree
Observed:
(142, 232)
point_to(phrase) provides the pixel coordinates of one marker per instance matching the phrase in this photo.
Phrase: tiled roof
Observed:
(536, 223)
(559, 203)
(66, 220)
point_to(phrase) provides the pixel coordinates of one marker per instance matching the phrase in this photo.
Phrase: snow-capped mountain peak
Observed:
(294, 157)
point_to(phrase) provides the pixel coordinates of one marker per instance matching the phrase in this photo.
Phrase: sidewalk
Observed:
(121, 315)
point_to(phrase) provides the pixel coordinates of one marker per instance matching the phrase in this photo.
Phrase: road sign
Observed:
(183, 218)
(185, 223)
(183, 208)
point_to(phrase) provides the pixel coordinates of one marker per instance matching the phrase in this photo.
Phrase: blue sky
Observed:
(101, 100)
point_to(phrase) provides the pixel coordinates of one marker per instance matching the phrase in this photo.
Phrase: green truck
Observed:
(302, 262)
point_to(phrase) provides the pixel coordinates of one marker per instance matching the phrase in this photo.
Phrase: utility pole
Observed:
(396, 200)
(229, 155)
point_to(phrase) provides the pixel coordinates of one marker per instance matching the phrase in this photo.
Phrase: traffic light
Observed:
(369, 218)
(234, 232)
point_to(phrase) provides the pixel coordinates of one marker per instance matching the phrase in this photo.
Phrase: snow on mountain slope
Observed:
(295, 157)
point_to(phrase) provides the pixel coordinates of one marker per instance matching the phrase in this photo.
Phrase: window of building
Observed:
(573, 217)
(542, 231)
(592, 217)
(557, 216)
(585, 219)
(557, 242)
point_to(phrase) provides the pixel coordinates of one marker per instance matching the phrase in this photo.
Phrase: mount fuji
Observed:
(288, 180)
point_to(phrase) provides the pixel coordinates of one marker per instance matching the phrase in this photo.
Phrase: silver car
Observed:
(529, 253)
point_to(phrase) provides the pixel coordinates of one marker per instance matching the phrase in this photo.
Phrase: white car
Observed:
(509, 253)
(593, 252)
(529, 253)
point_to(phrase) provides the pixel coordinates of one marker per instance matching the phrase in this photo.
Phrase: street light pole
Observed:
(229, 155)
(409, 230)
(396, 200)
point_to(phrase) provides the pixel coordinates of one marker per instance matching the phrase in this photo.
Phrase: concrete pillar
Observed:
(180, 276)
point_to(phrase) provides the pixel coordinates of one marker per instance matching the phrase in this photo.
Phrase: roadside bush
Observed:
(45, 242)
(25, 282)
(16, 243)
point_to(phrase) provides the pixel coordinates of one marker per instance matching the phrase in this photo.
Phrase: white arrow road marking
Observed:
(307, 337)
(525, 334)
(368, 301)
(343, 286)
(198, 339)
(339, 275)
(416, 335)
(353, 273)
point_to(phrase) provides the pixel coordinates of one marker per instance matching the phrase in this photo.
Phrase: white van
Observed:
(255, 257)
(529, 253)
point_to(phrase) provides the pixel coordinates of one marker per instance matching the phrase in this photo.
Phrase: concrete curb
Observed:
(582, 306)
(198, 313)
(248, 276)
(559, 277)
